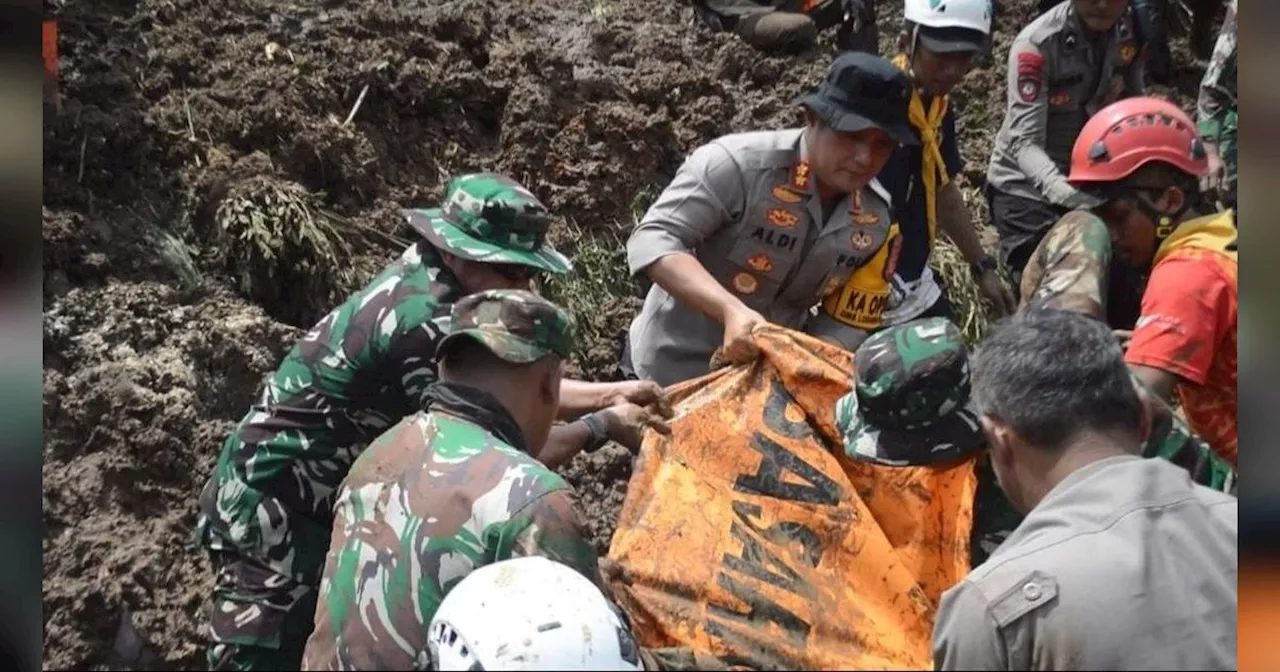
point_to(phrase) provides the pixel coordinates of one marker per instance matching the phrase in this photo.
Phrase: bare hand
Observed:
(1124, 337)
(640, 393)
(627, 423)
(739, 347)
(994, 289)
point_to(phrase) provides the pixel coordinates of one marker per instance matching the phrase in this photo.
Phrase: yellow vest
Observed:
(862, 300)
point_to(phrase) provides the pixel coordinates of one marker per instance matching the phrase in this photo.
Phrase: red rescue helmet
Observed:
(1126, 135)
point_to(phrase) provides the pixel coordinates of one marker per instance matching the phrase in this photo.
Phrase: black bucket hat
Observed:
(864, 91)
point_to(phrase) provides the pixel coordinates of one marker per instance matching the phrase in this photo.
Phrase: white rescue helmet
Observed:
(970, 14)
(529, 613)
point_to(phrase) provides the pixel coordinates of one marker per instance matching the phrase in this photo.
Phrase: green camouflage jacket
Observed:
(428, 502)
(360, 370)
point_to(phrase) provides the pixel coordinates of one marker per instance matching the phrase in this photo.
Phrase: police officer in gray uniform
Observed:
(1072, 61)
(758, 226)
(1122, 563)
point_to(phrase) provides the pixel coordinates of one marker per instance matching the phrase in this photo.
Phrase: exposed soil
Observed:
(154, 343)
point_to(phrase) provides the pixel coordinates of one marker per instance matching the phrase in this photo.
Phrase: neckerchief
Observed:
(933, 172)
(478, 407)
(1212, 232)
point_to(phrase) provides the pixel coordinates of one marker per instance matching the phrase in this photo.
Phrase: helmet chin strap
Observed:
(1165, 224)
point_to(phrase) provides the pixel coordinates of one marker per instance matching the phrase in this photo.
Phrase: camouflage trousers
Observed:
(260, 619)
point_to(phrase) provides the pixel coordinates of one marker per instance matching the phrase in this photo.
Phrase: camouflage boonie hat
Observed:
(515, 325)
(490, 218)
(910, 403)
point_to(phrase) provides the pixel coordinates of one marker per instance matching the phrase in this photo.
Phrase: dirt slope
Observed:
(160, 319)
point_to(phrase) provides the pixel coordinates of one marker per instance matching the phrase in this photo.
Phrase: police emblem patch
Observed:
(1128, 51)
(800, 176)
(864, 218)
(782, 217)
(784, 194)
(1030, 74)
(760, 262)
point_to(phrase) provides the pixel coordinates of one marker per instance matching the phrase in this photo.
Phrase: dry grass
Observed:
(973, 313)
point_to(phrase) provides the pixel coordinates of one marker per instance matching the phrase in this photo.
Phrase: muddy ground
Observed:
(162, 315)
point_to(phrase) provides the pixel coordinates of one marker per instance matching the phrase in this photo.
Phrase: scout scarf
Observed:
(1213, 232)
(478, 407)
(933, 174)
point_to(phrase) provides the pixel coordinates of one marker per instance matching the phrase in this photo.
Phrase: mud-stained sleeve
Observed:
(1218, 88)
(1028, 113)
(965, 634)
(707, 192)
(1185, 311)
(1070, 268)
(548, 526)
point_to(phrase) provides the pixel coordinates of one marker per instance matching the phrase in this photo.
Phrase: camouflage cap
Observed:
(910, 403)
(515, 325)
(491, 218)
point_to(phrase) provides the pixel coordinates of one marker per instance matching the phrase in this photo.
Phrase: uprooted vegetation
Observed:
(222, 174)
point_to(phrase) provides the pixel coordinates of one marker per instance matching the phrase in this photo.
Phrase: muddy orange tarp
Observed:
(746, 536)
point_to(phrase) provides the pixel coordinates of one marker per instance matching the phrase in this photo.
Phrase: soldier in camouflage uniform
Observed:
(265, 512)
(910, 406)
(451, 489)
(1216, 110)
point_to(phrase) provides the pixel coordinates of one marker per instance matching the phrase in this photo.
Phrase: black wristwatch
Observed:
(599, 432)
(986, 263)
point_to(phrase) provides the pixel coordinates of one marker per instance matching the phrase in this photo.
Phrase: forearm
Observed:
(957, 222)
(563, 443)
(1045, 176)
(1159, 382)
(684, 277)
(579, 397)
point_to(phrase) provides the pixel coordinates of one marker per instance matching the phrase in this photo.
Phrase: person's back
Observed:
(456, 494)
(451, 489)
(1121, 562)
(1126, 565)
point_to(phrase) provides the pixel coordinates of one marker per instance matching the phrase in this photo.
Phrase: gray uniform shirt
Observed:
(1057, 78)
(745, 206)
(1126, 565)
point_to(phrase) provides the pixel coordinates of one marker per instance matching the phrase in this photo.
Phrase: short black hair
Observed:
(1162, 172)
(467, 356)
(1050, 374)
